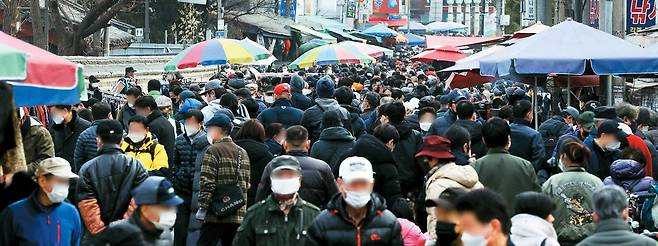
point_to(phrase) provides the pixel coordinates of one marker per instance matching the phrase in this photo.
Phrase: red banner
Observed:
(385, 6)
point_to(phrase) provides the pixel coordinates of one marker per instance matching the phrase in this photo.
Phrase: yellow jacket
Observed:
(151, 162)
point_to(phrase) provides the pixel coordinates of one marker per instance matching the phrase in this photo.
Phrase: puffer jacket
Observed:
(85, 148)
(124, 115)
(282, 112)
(439, 178)
(194, 226)
(163, 130)
(527, 144)
(532, 231)
(103, 189)
(411, 142)
(312, 118)
(332, 145)
(66, 136)
(152, 161)
(441, 124)
(387, 179)
(334, 227)
(629, 174)
(259, 156)
(297, 97)
(318, 183)
(37, 143)
(187, 152)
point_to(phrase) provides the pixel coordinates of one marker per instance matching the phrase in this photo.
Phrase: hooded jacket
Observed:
(152, 161)
(282, 112)
(299, 100)
(312, 118)
(164, 132)
(259, 156)
(411, 233)
(411, 142)
(439, 178)
(531, 230)
(630, 175)
(332, 145)
(357, 124)
(333, 226)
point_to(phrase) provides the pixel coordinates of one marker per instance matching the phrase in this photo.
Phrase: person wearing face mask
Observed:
(443, 173)
(604, 148)
(629, 114)
(355, 214)
(425, 117)
(447, 229)
(140, 144)
(65, 129)
(572, 191)
(128, 109)
(44, 217)
(189, 146)
(284, 217)
(282, 111)
(158, 124)
(532, 223)
(276, 136)
(94, 90)
(484, 219)
(155, 213)
(442, 123)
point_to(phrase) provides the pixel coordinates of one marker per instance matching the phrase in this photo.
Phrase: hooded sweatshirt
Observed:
(312, 118)
(531, 230)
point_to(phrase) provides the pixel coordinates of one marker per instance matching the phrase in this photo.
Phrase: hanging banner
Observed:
(594, 13)
(640, 14)
(385, 7)
(351, 9)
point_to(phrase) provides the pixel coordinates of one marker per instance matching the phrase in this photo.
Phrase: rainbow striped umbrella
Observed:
(331, 54)
(217, 52)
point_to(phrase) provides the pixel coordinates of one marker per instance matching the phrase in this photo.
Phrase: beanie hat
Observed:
(325, 87)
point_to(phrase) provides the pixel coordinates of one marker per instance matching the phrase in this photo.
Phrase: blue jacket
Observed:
(281, 112)
(27, 222)
(441, 124)
(600, 160)
(187, 151)
(85, 148)
(527, 144)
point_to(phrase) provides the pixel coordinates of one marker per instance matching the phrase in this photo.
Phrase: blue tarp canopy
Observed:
(440, 26)
(570, 48)
(414, 26)
(380, 30)
(414, 40)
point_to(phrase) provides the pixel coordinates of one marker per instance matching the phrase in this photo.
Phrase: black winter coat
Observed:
(358, 125)
(387, 179)
(411, 142)
(318, 183)
(187, 151)
(85, 148)
(65, 137)
(332, 145)
(475, 129)
(333, 226)
(164, 132)
(259, 156)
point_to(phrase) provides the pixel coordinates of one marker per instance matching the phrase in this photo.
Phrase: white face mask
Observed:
(209, 137)
(285, 186)
(613, 146)
(58, 194)
(560, 164)
(131, 105)
(57, 119)
(473, 240)
(306, 92)
(167, 219)
(191, 130)
(136, 137)
(425, 126)
(268, 99)
(357, 199)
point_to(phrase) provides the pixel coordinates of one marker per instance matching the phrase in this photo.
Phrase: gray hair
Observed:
(386, 100)
(627, 110)
(610, 202)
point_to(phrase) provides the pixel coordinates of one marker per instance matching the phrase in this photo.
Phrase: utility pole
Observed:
(408, 4)
(147, 28)
(483, 11)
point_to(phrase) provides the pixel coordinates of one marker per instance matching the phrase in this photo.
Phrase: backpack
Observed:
(647, 217)
(347, 123)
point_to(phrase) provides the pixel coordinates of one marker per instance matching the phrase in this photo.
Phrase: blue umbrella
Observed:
(570, 48)
(414, 40)
(380, 30)
(413, 27)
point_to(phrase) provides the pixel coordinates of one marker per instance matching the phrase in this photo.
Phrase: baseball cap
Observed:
(130, 70)
(109, 128)
(456, 96)
(281, 88)
(586, 119)
(435, 146)
(220, 119)
(156, 190)
(571, 111)
(447, 198)
(356, 168)
(591, 105)
(285, 162)
(56, 166)
(163, 101)
(609, 127)
(605, 112)
(211, 85)
(185, 95)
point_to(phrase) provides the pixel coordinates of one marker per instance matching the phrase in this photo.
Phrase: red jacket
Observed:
(637, 143)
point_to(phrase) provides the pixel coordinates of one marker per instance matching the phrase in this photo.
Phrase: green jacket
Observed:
(265, 224)
(506, 174)
(571, 191)
(37, 143)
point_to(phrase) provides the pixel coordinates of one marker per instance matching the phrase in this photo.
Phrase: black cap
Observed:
(130, 70)
(93, 79)
(109, 128)
(591, 105)
(447, 198)
(609, 127)
(220, 119)
(285, 162)
(156, 190)
(605, 112)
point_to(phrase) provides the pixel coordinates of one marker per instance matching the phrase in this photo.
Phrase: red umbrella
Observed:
(445, 53)
(467, 79)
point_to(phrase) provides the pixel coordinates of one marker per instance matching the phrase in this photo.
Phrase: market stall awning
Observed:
(571, 48)
(441, 26)
(414, 26)
(270, 25)
(308, 31)
(385, 19)
(438, 41)
(414, 40)
(380, 30)
(472, 62)
(319, 23)
(342, 36)
(467, 79)
(218, 51)
(369, 38)
(446, 54)
(531, 30)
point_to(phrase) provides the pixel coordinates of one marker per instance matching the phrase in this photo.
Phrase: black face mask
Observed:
(445, 232)
(633, 126)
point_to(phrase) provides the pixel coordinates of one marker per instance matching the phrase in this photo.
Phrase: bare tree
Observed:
(12, 15)
(73, 38)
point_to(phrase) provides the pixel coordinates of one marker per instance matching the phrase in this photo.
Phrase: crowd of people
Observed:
(379, 154)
